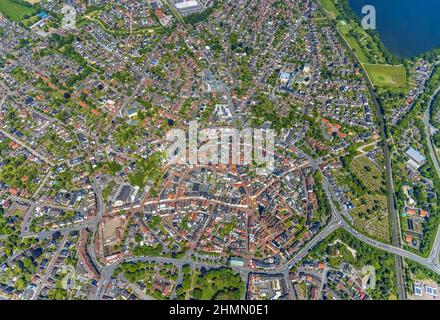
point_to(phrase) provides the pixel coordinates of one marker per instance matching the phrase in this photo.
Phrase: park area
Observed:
(16, 10)
(218, 284)
(386, 75)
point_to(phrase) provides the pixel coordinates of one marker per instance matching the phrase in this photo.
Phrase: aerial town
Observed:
(93, 206)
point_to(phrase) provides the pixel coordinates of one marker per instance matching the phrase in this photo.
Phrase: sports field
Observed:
(386, 75)
(15, 11)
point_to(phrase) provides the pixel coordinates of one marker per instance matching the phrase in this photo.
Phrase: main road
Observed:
(428, 131)
(336, 222)
(435, 252)
(397, 251)
(395, 220)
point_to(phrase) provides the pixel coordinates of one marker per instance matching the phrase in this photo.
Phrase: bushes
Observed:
(148, 171)
(323, 203)
(213, 284)
(148, 251)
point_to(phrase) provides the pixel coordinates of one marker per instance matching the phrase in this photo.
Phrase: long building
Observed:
(187, 7)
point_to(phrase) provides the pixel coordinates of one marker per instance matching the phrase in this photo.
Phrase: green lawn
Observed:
(329, 5)
(15, 11)
(386, 75)
(345, 29)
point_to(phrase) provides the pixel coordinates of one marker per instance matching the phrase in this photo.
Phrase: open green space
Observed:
(386, 75)
(213, 284)
(15, 10)
(330, 7)
(352, 41)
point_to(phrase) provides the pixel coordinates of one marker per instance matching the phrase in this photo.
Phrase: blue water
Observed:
(407, 27)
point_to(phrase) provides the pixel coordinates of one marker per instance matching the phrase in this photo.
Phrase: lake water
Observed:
(407, 27)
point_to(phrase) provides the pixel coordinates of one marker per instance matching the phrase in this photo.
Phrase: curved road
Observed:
(431, 264)
(435, 252)
(428, 133)
(391, 198)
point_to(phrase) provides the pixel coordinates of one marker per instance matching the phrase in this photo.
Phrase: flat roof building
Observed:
(236, 262)
(415, 155)
(187, 7)
(416, 158)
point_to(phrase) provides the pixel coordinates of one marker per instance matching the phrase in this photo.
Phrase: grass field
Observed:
(329, 5)
(353, 42)
(386, 75)
(15, 11)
